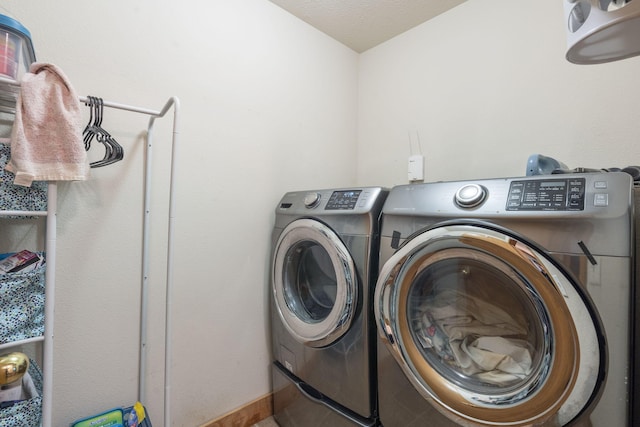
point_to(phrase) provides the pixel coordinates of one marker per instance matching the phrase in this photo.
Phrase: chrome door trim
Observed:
(338, 321)
(574, 354)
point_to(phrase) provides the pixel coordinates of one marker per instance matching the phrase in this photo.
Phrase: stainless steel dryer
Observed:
(507, 302)
(324, 266)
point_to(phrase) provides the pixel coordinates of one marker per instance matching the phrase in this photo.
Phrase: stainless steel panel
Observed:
(295, 405)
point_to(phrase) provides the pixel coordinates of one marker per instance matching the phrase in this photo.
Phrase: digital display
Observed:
(343, 200)
(549, 195)
(554, 184)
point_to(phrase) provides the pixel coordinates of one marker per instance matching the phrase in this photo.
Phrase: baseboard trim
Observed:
(246, 415)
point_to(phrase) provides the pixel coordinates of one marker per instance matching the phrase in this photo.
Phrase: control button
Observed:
(311, 200)
(601, 199)
(470, 195)
(600, 185)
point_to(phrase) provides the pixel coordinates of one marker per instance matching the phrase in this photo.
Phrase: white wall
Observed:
(485, 85)
(268, 106)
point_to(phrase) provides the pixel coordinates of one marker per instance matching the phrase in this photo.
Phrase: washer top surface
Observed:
(594, 194)
(595, 208)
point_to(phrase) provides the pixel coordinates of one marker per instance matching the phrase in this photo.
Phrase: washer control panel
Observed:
(549, 194)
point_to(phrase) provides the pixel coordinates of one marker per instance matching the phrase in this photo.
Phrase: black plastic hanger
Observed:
(113, 151)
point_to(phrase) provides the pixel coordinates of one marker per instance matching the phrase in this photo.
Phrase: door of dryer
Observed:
(314, 283)
(489, 328)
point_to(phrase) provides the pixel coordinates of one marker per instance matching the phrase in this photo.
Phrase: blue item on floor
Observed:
(110, 418)
(133, 416)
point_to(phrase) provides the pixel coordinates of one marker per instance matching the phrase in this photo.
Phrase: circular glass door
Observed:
(314, 283)
(483, 324)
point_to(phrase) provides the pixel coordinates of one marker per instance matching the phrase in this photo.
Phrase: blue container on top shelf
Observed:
(16, 48)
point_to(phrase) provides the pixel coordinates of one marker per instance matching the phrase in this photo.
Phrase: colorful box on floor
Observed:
(134, 416)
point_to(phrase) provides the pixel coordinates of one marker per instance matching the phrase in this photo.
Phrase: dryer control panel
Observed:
(549, 194)
(341, 200)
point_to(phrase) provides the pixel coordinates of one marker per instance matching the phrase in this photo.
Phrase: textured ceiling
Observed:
(363, 24)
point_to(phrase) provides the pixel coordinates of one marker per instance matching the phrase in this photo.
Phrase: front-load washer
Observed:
(507, 302)
(325, 247)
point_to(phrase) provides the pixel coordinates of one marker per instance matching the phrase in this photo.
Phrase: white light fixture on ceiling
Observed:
(601, 31)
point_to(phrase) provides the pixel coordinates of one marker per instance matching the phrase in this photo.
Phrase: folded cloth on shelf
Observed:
(46, 138)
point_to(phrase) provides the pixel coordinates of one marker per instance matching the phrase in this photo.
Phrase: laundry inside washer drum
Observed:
(463, 313)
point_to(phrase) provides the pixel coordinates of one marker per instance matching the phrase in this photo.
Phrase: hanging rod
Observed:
(168, 347)
(128, 107)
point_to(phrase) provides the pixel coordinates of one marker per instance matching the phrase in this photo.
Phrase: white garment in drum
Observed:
(474, 337)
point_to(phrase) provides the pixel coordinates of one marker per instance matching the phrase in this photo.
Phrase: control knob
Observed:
(311, 200)
(470, 195)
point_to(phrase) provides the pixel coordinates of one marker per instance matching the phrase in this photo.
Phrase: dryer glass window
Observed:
(310, 283)
(476, 323)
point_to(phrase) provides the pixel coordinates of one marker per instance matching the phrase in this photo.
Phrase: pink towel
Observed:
(46, 138)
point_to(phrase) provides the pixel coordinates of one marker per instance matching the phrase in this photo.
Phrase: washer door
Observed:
(489, 328)
(314, 283)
